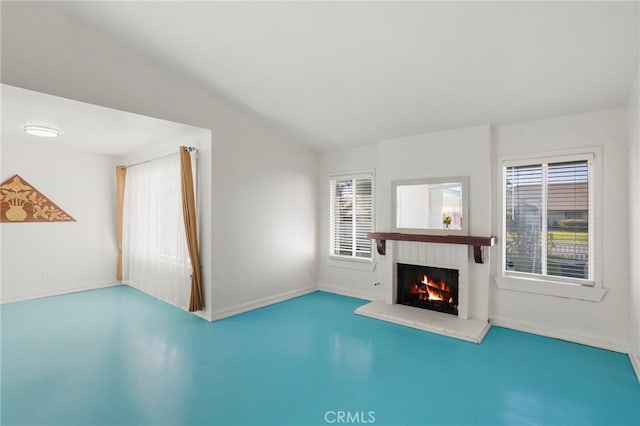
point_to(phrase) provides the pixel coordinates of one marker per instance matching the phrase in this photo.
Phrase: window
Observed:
(351, 216)
(548, 219)
(154, 249)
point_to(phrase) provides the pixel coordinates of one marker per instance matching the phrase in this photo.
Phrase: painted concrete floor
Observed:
(118, 357)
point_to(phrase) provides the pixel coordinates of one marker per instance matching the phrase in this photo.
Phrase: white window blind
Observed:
(351, 214)
(548, 220)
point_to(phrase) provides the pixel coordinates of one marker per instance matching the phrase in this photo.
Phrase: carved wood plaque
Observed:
(21, 202)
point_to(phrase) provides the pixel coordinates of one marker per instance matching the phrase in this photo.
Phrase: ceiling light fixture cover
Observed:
(45, 132)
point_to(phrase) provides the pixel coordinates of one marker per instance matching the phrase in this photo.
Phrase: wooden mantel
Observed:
(477, 242)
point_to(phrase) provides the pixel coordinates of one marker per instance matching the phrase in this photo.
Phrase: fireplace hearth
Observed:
(428, 287)
(407, 300)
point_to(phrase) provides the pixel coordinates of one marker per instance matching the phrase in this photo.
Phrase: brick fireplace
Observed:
(443, 257)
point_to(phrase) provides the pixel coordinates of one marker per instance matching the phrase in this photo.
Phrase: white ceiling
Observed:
(348, 73)
(83, 126)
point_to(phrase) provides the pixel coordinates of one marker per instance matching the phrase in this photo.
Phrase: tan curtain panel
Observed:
(121, 176)
(191, 230)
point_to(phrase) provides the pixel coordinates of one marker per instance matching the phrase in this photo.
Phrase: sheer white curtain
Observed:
(154, 249)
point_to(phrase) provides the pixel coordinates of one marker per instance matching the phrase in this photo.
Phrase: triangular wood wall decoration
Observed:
(21, 202)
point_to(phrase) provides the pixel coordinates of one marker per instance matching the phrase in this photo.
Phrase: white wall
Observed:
(462, 152)
(42, 259)
(348, 278)
(603, 323)
(263, 225)
(413, 207)
(474, 152)
(633, 114)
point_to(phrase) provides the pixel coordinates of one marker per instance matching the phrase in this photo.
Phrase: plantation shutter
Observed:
(364, 217)
(549, 220)
(569, 208)
(523, 218)
(351, 215)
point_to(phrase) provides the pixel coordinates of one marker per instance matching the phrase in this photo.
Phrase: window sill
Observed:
(557, 289)
(349, 263)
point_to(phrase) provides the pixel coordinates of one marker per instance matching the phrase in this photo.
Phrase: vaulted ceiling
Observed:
(348, 73)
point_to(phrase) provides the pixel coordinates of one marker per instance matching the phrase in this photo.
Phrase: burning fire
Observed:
(431, 290)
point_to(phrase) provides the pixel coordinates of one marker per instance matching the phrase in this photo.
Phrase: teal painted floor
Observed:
(118, 357)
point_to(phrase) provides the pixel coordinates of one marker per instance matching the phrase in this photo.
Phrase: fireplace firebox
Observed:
(428, 287)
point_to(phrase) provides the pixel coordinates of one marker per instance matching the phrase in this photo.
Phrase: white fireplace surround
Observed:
(451, 256)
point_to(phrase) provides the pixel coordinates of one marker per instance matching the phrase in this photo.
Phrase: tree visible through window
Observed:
(548, 219)
(351, 216)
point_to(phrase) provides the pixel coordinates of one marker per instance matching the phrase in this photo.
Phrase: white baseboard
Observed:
(635, 363)
(346, 292)
(59, 291)
(612, 344)
(260, 303)
(205, 315)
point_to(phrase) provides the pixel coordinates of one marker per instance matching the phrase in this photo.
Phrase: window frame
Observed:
(346, 176)
(590, 289)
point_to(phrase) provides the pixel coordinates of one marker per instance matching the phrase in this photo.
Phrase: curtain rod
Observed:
(189, 148)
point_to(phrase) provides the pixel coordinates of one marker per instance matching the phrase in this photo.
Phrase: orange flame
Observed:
(432, 285)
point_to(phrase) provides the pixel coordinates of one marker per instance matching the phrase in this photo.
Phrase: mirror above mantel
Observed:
(431, 206)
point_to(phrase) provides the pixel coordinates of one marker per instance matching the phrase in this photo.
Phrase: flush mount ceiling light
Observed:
(45, 132)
